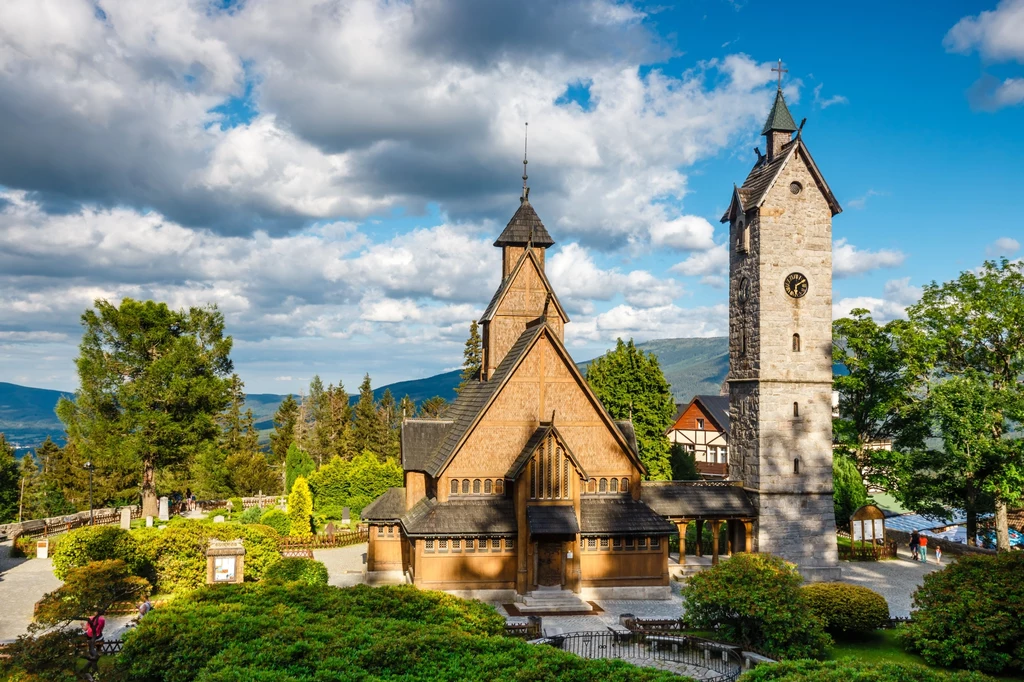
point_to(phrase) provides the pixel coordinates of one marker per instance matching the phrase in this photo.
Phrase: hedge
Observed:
(303, 633)
(276, 519)
(847, 609)
(971, 614)
(97, 543)
(251, 515)
(852, 670)
(306, 571)
(755, 600)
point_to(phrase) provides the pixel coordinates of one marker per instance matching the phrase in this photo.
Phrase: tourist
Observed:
(94, 626)
(923, 550)
(145, 607)
(938, 554)
(188, 499)
(915, 542)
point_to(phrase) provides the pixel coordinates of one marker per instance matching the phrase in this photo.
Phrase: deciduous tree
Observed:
(848, 490)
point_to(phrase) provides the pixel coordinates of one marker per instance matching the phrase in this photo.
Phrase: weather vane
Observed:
(780, 71)
(526, 141)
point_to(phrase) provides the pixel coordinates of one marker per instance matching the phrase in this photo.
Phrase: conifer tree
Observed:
(298, 463)
(391, 421)
(684, 464)
(231, 421)
(300, 508)
(333, 427)
(285, 420)
(434, 408)
(630, 384)
(60, 478)
(406, 409)
(30, 490)
(369, 429)
(210, 477)
(9, 478)
(472, 356)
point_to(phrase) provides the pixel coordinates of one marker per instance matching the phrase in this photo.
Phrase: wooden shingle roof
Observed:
(552, 520)
(388, 507)
(471, 516)
(524, 223)
(685, 500)
(612, 516)
(420, 438)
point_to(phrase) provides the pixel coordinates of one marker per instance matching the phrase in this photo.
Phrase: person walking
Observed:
(923, 551)
(938, 554)
(915, 545)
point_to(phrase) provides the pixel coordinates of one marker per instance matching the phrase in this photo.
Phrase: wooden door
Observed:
(549, 563)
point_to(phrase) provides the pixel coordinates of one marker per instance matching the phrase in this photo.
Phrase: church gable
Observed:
(547, 467)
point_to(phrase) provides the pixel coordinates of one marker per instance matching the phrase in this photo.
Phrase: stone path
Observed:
(895, 579)
(23, 582)
(345, 565)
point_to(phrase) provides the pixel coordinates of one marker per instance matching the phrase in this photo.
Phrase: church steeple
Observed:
(523, 230)
(780, 126)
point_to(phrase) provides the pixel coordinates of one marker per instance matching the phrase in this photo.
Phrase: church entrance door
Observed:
(549, 564)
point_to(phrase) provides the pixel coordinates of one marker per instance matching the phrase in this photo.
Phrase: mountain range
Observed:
(691, 366)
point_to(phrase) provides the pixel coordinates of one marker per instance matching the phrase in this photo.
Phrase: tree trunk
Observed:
(972, 515)
(1002, 527)
(150, 504)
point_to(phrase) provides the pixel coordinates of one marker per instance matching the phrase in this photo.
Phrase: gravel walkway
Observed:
(23, 582)
(345, 565)
(895, 579)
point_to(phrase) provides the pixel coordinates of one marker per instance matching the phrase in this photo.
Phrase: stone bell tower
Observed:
(780, 347)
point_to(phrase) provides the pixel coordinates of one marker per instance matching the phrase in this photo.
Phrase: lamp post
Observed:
(89, 466)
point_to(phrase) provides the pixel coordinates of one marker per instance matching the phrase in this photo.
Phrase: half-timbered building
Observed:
(701, 428)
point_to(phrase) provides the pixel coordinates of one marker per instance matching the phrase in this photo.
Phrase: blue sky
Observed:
(331, 174)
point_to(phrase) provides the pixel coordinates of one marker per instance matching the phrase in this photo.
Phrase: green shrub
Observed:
(755, 600)
(250, 515)
(306, 633)
(971, 614)
(237, 506)
(276, 519)
(300, 509)
(97, 543)
(178, 552)
(847, 609)
(353, 484)
(307, 571)
(852, 670)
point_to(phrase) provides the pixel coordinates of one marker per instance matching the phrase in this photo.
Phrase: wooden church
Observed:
(528, 485)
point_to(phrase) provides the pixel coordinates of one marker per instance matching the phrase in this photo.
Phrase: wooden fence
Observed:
(324, 541)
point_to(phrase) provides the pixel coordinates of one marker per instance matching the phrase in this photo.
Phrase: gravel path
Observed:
(345, 565)
(895, 579)
(23, 582)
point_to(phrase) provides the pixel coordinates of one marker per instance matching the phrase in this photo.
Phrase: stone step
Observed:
(553, 601)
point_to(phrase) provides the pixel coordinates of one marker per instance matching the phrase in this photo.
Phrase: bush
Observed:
(276, 519)
(755, 600)
(300, 509)
(971, 614)
(306, 571)
(250, 515)
(303, 633)
(852, 670)
(847, 609)
(178, 552)
(237, 506)
(97, 543)
(353, 484)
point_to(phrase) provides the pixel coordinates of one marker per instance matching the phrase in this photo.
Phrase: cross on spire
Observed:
(780, 71)
(526, 140)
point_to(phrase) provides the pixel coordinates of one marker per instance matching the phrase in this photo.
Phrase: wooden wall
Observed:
(464, 571)
(384, 552)
(614, 568)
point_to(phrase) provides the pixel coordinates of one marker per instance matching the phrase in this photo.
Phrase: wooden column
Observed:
(715, 526)
(749, 527)
(700, 537)
(681, 526)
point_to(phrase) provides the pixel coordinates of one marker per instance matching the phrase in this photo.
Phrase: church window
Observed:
(557, 473)
(641, 543)
(592, 485)
(547, 468)
(465, 486)
(795, 187)
(591, 543)
(470, 545)
(510, 544)
(488, 487)
(499, 487)
(533, 480)
(380, 531)
(565, 476)
(743, 342)
(655, 543)
(442, 545)
(476, 486)
(495, 544)
(796, 409)
(624, 486)
(455, 486)
(428, 546)
(616, 544)
(456, 545)
(629, 544)
(614, 486)
(742, 237)
(603, 486)
(796, 465)
(604, 543)
(796, 343)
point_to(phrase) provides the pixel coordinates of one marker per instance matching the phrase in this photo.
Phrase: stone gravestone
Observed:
(218, 519)
(126, 518)
(149, 522)
(165, 513)
(331, 531)
(345, 516)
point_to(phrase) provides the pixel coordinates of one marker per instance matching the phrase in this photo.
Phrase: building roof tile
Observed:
(471, 516)
(420, 438)
(779, 117)
(388, 507)
(524, 223)
(611, 516)
(686, 500)
(552, 520)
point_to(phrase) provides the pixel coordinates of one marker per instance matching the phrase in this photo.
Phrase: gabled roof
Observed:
(531, 447)
(613, 516)
(552, 520)
(763, 175)
(419, 439)
(477, 396)
(779, 117)
(388, 507)
(686, 500)
(716, 407)
(480, 516)
(506, 285)
(525, 222)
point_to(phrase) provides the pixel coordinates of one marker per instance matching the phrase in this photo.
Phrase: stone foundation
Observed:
(385, 578)
(625, 593)
(502, 596)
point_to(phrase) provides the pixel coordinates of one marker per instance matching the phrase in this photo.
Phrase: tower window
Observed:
(796, 465)
(796, 343)
(796, 409)
(795, 187)
(742, 238)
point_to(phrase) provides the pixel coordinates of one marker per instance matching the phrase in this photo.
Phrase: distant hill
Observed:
(691, 366)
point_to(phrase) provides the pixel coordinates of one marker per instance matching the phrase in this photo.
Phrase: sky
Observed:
(332, 174)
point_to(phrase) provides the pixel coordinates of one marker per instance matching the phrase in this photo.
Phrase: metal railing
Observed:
(708, 659)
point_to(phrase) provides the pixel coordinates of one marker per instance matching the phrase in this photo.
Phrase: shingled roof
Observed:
(682, 499)
(779, 117)
(420, 438)
(388, 507)
(552, 520)
(506, 284)
(523, 223)
(625, 427)
(613, 516)
(481, 516)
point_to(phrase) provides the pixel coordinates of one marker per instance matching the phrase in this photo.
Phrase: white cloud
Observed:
(712, 266)
(825, 103)
(686, 233)
(669, 321)
(998, 36)
(1004, 246)
(579, 281)
(861, 201)
(847, 260)
(897, 295)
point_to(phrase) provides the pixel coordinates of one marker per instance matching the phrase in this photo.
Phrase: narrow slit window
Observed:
(796, 466)
(796, 343)
(796, 409)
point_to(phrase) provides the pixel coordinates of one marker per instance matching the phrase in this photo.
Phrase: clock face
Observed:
(796, 285)
(743, 294)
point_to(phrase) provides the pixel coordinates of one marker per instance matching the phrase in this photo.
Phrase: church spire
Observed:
(526, 141)
(780, 126)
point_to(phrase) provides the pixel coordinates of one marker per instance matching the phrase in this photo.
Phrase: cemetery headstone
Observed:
(165, 511)
(149, 522)
(126, 518)
(218, 519)
(345, 516)
(330, 530)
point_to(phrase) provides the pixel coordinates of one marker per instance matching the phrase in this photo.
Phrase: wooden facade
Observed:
(702, 428)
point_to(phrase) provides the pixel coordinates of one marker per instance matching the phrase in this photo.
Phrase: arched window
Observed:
(465, 486)
(476, 486)
(455, 486)
(796, 409)
(614, 485)
(487, 487)
(603, 486)
(499, 487)
(592, 485)
(796, 343)
(796, 465)
(624, 486)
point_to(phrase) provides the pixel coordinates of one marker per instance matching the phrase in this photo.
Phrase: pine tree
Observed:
(434, 408)
(849, 492)
(391, 421)
(250, 474)
(333, 427)
(9, 482)
(406, 409)
(472, 356)
(231, 420)
(684, 464)
(30, 490)
(297, 464)
(60, 479)
(369, 429)
(285, 420)
(210, 477)
(300, 508)
(630, 385)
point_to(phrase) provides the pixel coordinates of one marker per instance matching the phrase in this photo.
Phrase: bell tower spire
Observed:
(780, 126)
(526, 141)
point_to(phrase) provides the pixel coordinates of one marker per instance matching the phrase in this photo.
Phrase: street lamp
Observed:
(90, 467)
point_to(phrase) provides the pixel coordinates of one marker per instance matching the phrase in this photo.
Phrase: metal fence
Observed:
(684, 654)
